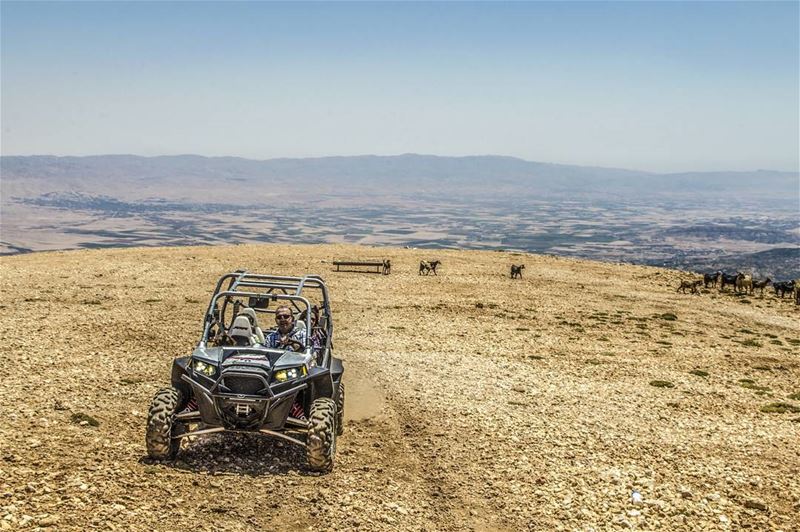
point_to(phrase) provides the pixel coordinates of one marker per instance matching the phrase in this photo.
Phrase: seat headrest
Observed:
(241, 328)
(250, 313)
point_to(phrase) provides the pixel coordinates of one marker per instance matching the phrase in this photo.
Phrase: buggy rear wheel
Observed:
(321, 442)
(340, 410)
(161, 425)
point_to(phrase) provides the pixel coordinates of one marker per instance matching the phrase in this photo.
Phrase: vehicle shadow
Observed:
(238, 454)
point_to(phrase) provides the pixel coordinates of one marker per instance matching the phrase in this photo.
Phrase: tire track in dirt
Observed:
(417, 447)
(381, 446)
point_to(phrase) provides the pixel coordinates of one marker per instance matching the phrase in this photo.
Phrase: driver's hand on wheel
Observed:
(289, 343)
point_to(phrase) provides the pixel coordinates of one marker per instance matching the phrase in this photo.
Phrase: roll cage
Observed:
(257, 291)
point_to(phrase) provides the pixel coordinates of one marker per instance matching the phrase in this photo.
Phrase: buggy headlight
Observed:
(283, 375)
(205, 369)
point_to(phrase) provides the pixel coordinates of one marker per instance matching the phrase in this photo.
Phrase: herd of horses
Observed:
(742, 284)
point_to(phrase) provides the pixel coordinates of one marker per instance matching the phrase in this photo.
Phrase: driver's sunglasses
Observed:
(283, 316)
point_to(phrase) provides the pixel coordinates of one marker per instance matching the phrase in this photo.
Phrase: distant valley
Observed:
(731, 221)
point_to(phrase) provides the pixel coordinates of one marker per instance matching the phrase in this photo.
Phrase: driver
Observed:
(287, 336)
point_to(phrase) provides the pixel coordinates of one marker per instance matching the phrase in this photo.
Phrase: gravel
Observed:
(475, 402)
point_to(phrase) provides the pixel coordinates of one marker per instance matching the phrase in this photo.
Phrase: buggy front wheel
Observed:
(161, 425)
(321, 442)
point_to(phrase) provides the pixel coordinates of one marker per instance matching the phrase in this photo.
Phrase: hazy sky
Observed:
(652, 86)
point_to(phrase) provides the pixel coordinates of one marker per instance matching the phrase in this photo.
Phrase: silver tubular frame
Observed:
(268, 432)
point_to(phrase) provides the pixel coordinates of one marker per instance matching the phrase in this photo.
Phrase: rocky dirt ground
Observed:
(475, 402)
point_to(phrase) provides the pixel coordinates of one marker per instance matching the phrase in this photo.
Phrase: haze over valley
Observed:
(700, 221)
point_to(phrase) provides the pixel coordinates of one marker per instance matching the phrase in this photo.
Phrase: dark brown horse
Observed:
(692, 285)
(730, 279)
(761, 285)
(711, 278)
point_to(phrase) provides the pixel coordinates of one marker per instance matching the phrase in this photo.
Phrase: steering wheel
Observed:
(296, 345)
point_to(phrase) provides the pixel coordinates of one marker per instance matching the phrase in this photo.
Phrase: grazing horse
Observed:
(691, 285)
(428, 267)
(732, 278)
(711, 278)
(516, 271)
(761, 285)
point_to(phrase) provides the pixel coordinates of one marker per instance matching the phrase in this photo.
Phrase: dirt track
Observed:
(474, 401)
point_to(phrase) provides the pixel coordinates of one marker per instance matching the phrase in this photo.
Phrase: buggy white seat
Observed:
(241, 331)
(251, 314)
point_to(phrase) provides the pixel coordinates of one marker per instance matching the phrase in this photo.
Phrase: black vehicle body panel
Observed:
(243, 395)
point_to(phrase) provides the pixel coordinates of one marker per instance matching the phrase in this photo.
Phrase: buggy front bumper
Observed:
(245, 412)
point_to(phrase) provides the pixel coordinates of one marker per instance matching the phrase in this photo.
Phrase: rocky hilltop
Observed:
(475, 402)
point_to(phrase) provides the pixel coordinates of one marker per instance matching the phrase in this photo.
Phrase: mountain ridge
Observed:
(485, 175)
(402, 156)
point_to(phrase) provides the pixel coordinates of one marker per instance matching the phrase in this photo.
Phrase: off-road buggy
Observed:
(232, 382)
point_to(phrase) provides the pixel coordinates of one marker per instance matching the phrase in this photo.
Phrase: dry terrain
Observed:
(475, 402)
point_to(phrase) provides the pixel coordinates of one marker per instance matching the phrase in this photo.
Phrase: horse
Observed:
(730, 279)
(428, 267)
(516, 271)
(711, 278)
(745, 284)
(761, 285)
(783, 288)
(691, 285)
